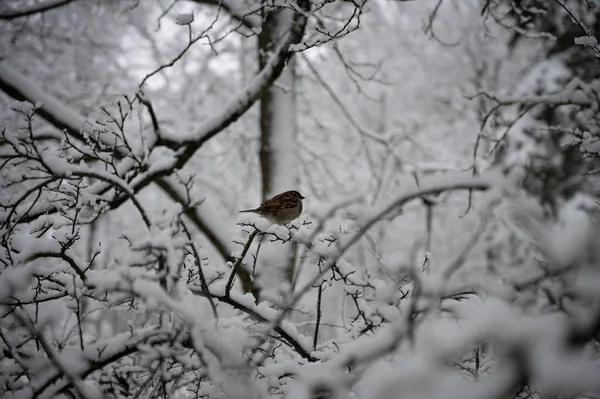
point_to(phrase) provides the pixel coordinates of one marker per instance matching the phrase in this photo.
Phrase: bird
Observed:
(281, 209)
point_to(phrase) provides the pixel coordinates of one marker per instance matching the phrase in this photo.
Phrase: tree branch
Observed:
(57, 114)
(93, 358)
(431, 186)
(240, 103)
(63, 118)
(33, 9)
(238, 262)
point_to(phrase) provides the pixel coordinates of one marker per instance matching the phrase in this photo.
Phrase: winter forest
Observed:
(448, 153)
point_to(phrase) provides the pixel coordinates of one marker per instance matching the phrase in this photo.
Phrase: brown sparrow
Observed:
(282, 208)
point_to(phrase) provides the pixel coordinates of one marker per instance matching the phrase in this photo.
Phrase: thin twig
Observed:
(203, 283)
(238, 262)
(318, 323)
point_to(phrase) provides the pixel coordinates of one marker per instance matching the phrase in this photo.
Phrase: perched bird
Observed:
(282, 208)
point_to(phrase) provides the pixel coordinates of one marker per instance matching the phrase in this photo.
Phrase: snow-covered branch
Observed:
(243, 100)
(94, 357)
(370, 218)
(20, 88)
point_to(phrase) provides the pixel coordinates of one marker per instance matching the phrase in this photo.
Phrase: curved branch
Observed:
(33, 9)
(287, 337)
(431, 186)
(115, 181)
(61, 255)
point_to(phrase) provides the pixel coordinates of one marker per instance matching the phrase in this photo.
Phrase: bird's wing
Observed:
(280, 201)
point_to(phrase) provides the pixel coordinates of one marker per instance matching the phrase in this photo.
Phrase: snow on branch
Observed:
(50, 108)
(245, 303)
(432, 185)
(187, 144)
(240, 103)
(20, 88)
(94, 357)
(576, 93)
(64, 118)
(590, 42)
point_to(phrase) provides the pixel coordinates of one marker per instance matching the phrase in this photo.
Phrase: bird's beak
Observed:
(301, 196)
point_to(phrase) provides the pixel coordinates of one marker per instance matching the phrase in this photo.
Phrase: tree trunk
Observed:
(278, 147)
